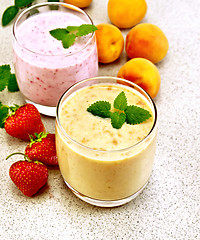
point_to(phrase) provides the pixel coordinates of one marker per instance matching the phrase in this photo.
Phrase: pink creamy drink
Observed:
(44, 69)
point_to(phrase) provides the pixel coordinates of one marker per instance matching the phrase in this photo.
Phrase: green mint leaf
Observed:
(136, 115)
(82, 30)
(72, 29)
(23, 3)
(9, 14)
(118, 119)
(12, 83)
(7, 79)
(85, 29)
(68, 35)
(120, 101)
(68, 40)
(3, 115)
(100, 108)
(4, 76)
(59, 33)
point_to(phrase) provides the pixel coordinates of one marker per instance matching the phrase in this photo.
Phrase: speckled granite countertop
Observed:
(169, 206)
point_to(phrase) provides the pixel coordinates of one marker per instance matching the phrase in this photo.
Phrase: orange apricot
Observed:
(79, 3)
(146, 41)
(143, 73)
(110, 42)
(126, 13)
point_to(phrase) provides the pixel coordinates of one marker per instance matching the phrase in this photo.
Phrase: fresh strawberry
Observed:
(28, 176)
(23, 120)
(42, 148)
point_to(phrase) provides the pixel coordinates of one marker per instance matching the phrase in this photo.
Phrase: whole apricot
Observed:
(79, 3)
(142, 72)
(126, 13)
(110, 42)
(148, 41)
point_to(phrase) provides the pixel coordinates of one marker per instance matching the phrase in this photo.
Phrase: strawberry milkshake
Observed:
(44, 68)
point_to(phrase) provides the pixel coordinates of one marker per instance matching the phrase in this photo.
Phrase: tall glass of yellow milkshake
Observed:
(102, 165)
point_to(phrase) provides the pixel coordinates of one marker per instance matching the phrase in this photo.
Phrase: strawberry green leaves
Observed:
(7, 79)
(122, 112)
(69, 34)
(5, 112)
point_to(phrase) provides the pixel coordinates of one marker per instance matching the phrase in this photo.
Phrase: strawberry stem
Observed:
(26, 158)
(19, 153)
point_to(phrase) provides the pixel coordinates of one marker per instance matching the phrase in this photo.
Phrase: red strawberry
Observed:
(28, 176)
(42, 148)
(23, 121)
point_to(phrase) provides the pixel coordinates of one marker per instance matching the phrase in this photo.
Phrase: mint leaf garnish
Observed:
(136, 115)
(72, 29)
(9, 14)
(100, 108)
(68, 40)
(118, 119)
(68, 35)
(59, 33)
(7, 79)
(120, 102)
(131, 114)
(82, 30)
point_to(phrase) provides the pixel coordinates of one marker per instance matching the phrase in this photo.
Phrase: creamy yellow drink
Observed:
(97, 160)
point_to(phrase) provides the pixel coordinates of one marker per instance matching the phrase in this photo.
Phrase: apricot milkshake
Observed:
(103, 165)
(44, 68)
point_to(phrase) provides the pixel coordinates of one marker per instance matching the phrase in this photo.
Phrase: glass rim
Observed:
(14, 29)
(105, 78)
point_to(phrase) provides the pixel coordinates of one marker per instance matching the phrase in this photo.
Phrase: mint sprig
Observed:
(7, 79)
(69, 34)
(122, 112)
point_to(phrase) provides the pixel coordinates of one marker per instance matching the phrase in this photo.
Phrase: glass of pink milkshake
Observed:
(43, 67)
